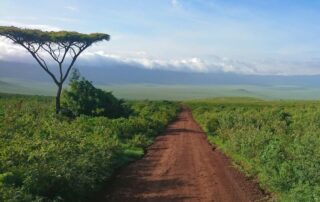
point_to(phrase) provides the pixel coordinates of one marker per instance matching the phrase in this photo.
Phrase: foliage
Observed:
(45, 157)
(277, 141)
(38, 36)
(83, 98)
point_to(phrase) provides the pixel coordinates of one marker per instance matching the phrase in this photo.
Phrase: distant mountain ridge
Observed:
(129, 74)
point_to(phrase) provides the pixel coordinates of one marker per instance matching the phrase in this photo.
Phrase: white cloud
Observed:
(71, 8)
(214, 64)
(8, 51)
(142, 60)
(11, 52)
(175, 3)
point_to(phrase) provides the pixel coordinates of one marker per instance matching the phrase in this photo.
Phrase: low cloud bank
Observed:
(11, 52)
(213, 64)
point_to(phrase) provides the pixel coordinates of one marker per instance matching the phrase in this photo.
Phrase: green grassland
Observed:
(48, 157)
(271, 133)
(276, 141)
(172, 92)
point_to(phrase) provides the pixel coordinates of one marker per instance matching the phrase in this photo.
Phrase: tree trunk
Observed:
(58, 99)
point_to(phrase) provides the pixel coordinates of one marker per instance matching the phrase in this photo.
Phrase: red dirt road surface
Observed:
(182, 166)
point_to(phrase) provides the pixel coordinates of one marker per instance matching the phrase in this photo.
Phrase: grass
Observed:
(172, 92)
(45, 157)
(276, 141)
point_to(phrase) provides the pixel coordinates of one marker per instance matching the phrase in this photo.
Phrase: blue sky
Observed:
(242, 36)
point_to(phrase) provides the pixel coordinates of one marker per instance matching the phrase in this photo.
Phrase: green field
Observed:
(172, 92)
(276, 141)
(272, 140)
(45, 157)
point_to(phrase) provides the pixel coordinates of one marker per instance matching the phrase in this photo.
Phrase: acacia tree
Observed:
(57, 45)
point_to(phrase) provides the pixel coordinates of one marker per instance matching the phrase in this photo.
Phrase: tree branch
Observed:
(43, 65)
(73, 61)
(50, 51)
(67, 48)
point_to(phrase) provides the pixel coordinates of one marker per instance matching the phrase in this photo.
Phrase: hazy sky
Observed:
(242, 36)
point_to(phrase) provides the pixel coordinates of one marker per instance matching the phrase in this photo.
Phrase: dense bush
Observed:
(277, 141)
(44, 157)
(83, 98)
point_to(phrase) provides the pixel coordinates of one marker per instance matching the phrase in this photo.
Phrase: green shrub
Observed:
(48, 158)
(83, 98)
(276, 141)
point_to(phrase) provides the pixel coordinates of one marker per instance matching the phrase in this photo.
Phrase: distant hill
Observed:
(6, 87)
(126, 74)
(2, 83)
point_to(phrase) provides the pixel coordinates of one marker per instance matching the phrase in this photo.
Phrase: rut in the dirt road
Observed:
(182, 166)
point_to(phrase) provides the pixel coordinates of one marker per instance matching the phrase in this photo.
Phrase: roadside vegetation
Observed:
(68, 157)
(279, 142)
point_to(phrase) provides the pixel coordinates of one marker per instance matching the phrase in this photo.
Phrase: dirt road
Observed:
(182, 166)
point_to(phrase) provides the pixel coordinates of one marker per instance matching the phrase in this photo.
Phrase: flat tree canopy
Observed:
(58, 45)
(38, 36)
